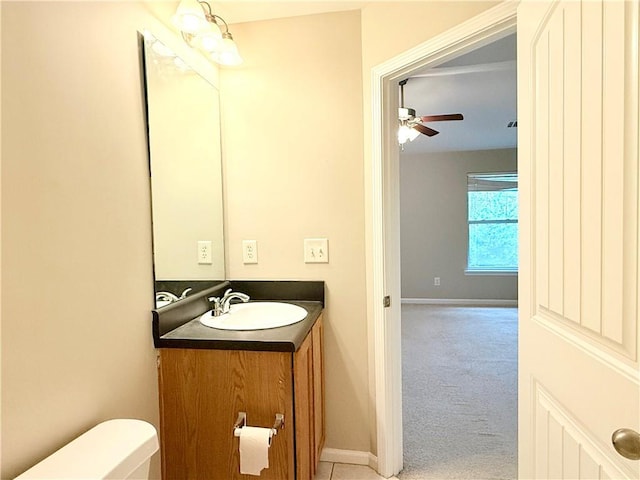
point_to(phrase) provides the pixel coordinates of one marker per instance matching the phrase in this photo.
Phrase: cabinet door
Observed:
(303, 399)
(201, 393)
(318, 388)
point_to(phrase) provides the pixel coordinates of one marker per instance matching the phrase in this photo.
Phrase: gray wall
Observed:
(433, 203)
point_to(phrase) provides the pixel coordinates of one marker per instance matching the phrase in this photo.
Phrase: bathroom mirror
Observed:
(183, 127)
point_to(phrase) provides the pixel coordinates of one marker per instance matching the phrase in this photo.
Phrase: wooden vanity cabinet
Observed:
(202, 391)
(308, 375)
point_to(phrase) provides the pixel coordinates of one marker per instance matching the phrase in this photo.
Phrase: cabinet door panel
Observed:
(202, 392)
(318, 388)
(303, 399)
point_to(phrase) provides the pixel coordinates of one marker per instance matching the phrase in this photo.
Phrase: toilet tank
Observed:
(115, 449)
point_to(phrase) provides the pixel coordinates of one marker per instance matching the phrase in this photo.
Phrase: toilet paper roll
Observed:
(254, 449)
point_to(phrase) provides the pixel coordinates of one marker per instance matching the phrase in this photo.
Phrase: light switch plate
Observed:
(316, 250)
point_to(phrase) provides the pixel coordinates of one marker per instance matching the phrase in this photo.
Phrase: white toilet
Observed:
(115, 449)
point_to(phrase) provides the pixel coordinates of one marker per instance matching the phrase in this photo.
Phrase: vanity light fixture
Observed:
(201, 28)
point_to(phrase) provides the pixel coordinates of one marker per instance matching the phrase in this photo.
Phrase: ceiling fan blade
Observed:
(429, 132)
(442, 118)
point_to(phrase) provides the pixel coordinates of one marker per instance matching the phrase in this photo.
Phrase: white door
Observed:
(578, 299)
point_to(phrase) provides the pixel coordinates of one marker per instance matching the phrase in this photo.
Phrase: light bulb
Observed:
(190, 17)
(211, 39)
(228, 53)
(405, 132)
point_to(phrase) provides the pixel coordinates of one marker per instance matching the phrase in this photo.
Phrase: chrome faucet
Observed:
(222, 305)
(170, 297)
(166, 297)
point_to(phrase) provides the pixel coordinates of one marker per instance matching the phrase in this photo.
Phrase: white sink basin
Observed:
(256, 316)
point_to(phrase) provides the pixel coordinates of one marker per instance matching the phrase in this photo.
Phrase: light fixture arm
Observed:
(226, 27)
(212, 17)
(210, 12)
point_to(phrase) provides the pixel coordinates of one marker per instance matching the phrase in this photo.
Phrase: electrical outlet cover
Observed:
(249, 251)
(204, 252)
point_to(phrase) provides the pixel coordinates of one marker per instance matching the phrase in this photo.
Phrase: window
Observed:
(492, 215)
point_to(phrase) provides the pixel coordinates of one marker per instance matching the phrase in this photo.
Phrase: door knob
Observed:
(627, 443)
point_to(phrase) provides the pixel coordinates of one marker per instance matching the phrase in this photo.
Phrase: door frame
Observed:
(383, 236)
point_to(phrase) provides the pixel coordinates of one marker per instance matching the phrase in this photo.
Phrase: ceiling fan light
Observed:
(403, 134)
(190, 17)
(413, 134)
(406, 133)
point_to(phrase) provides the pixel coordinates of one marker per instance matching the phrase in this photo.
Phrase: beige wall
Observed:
(433, 203)
(292, 149)
(390, 28)
(76, 247)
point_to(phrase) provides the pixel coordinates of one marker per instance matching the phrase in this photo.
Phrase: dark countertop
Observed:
(194, 334)
(178, 325)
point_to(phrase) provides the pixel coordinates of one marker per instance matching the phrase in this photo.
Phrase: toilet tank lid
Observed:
(111, 449)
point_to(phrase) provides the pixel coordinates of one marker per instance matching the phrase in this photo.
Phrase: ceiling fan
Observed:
(411, 126)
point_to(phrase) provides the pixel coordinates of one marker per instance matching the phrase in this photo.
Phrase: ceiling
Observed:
(240, 11)
(480, 84)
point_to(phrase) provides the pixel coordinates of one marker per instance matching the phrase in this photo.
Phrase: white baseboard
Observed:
(353, 457)
(481, 302)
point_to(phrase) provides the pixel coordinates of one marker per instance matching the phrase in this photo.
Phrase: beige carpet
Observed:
(459, 392)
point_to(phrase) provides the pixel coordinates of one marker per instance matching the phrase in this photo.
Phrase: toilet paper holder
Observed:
(241, 421)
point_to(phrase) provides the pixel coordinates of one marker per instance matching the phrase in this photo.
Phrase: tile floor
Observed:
(342, 471)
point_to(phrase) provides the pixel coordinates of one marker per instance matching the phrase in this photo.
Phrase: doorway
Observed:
(459, 260)
(384, 242)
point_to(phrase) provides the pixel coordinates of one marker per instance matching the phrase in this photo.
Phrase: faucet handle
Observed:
(217, 306)
(222, 305)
